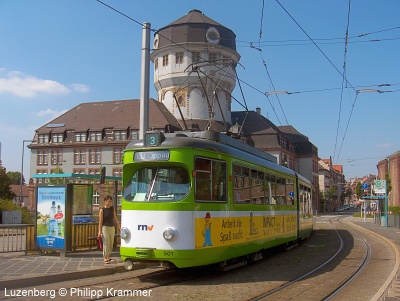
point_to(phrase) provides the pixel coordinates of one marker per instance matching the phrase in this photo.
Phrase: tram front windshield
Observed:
(157, 184)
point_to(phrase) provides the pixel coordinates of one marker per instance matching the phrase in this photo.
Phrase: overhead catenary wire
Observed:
(343, 81)
(321, 41)
(176, 44)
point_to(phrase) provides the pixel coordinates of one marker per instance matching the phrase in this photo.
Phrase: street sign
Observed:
(364, 186)
(380, 186)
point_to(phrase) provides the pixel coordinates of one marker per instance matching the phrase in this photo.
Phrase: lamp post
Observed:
(22, 171)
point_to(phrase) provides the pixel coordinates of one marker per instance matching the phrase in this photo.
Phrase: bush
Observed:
(7, 205)
(358, 214)
(394, 210)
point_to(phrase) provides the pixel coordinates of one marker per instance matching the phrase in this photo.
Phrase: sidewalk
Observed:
(19, 270)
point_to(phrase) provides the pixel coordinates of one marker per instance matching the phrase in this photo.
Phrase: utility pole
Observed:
(144, 85)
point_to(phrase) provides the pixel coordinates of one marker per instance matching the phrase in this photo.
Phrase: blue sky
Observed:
(57, 54)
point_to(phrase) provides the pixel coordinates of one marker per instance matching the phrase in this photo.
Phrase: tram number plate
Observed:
(168, 253)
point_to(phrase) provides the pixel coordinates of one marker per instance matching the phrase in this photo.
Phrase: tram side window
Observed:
(301, 200)
(218, 181)
(257, 188)
(308, 212)
(268, 189)
(281, 191)
(210, 180)
(289, 192)
(241, 190)
(274, 187)
(305, 202)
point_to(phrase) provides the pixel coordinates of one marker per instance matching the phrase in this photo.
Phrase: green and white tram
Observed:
(199, 198)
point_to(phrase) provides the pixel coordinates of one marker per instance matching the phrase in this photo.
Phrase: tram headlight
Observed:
(125, 233)
(169, 234)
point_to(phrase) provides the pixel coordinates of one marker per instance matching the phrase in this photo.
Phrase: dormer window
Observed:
(80, 137)
(96, 136)
(57, 138)
(119, 135)
(43, 138)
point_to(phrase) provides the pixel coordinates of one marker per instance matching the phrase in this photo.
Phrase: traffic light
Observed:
(103, 175)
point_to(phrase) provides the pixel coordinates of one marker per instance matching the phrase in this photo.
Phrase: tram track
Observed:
(131, 284)
(329, 284)
(331, 265)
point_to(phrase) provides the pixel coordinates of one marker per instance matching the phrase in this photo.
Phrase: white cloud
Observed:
(51, 113)
(80, 88)
(23, 85)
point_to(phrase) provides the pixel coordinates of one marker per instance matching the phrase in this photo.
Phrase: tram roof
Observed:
(210, 140)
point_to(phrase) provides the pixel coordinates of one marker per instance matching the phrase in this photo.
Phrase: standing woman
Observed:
(107, 221)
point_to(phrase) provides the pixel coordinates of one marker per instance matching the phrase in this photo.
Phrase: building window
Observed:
(118, 154)
(43, 138)
(117, 172)
(94, 172)
(212, 57)
(96, 136)
(165, 60)
(119, 135)
(134, 135)
(78, 171)
(57, 138)
(179, 58)
(56, 157)
(96, 197)
(226, 60)
(195, 56)
(79, 156)
(80, 137)
(94, 156)
(42, 158)
(42, 172)
(156, 63)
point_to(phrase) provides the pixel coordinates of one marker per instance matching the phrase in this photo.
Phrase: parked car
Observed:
(83, 219)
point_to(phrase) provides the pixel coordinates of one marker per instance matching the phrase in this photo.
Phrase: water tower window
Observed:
(165, 60)
(212, 57)
(179, 58)
(195, 56)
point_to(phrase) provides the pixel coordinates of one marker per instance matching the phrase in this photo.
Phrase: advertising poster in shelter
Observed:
(50, 224)
(82, 199)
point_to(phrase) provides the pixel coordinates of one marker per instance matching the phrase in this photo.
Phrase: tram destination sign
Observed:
(160, 155)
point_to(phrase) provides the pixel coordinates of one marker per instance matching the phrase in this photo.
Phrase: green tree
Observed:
(54, 181)
(388, 183)
(15, 177)
(359, 191)
(322, 201)
(330, 194)
(7, 205)
(5, 182)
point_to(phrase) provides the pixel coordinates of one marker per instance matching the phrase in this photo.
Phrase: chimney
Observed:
(258, 110)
